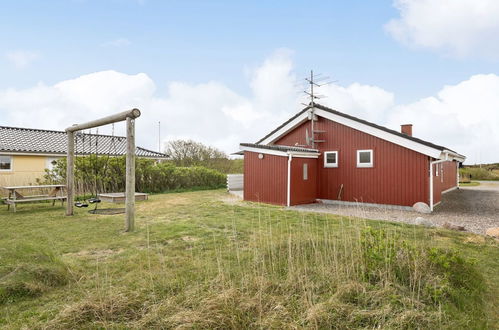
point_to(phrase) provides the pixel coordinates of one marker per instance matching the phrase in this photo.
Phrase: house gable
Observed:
(399, 176)
(412, 143)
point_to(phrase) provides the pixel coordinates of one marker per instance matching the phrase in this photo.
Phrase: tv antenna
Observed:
(314, 81)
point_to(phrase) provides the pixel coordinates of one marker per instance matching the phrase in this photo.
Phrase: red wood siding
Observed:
(265, 180)
(303, 191)
(399, 175)
(446, 179)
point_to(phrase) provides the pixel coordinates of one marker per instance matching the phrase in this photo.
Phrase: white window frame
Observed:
(365, 165)
(330, 165)
(11, 164)
(48, 162)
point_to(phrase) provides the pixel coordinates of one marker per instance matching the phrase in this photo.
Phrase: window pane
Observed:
(5, 162)
(364, 157)
(331, 158)
(305, 171)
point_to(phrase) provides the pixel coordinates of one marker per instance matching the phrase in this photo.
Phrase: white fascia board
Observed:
(14, 153)
(303, 154)
(406, 143)
(292, 124)
(447, 154)
(280, 153)
(265, 151)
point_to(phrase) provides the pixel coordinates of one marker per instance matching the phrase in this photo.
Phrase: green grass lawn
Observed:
(203, 260)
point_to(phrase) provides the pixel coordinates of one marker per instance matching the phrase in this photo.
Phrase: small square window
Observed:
(5, 163)
(331, 159)
(364, 158)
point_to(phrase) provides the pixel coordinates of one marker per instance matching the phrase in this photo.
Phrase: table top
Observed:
(36, 187)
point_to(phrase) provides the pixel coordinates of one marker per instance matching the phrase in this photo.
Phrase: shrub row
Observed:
(478, 173)
(95, 174)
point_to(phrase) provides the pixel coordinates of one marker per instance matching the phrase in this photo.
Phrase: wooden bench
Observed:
(15, 196)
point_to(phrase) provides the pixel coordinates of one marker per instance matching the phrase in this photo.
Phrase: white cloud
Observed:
(120, 42)
(463, 117)
(209, 112)
(21, 58)
(368, 102)
(454, 27)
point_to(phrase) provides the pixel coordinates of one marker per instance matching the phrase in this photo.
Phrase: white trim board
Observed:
(399, 140)
(288, 127)
(280, 153)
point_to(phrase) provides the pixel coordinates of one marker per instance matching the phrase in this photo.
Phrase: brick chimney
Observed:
(406, 129)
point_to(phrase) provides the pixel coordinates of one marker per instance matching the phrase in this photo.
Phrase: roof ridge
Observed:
(359, 120)
(384, 128)
(54, 131)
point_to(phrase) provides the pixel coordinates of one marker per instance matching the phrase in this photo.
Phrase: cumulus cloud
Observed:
(368, 102)
(458, 28)
(209, 112)
(21, 58)
(463, 117)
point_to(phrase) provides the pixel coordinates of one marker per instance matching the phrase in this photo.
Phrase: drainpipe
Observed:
(288, 193)
(431, 177)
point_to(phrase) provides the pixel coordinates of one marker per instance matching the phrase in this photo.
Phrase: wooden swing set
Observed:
(128, 116)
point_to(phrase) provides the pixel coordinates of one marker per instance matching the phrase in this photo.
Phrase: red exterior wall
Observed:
(303, 191)
(399, 177)
(265, 180)
(446, 179)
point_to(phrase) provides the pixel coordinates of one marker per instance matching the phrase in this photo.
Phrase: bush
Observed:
(478, 173)
(95, 174)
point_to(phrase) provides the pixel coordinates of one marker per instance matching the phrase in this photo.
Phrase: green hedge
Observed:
(478, 173)
(108, 174)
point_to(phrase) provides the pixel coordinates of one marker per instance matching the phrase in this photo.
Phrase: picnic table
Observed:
(17, 195)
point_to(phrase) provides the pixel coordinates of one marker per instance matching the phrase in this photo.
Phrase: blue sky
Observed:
(227, 42)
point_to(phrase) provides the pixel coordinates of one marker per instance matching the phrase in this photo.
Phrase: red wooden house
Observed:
(321, 154)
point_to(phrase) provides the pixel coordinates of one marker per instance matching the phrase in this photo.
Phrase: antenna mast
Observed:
(159, 136)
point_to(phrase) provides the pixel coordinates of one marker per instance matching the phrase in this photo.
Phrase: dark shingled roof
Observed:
(362, 121)
(279, 147)
(28, 140)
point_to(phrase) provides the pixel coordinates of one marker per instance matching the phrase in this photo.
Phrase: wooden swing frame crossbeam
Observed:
(128, 116)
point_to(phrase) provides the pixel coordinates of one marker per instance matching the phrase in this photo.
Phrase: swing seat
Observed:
(80, 204)
(94, 200)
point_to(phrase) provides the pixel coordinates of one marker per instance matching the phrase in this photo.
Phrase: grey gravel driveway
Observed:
(475, 208)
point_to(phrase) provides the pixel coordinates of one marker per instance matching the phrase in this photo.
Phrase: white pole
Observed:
(431, 186)
(70, 173)
(130, 175)
(288, 188)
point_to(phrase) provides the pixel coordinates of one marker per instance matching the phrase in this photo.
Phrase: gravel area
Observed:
(475, 208)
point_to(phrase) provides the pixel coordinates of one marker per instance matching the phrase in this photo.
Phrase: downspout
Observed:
(431, 178)
(288, 193)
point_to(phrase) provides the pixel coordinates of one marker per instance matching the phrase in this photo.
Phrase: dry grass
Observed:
(197, 262)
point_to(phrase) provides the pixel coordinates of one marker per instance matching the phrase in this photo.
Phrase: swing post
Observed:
(128, 116)
(70, 173)
(130, 175)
